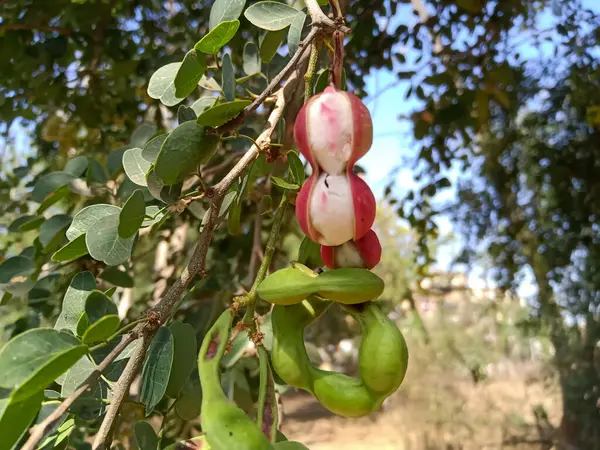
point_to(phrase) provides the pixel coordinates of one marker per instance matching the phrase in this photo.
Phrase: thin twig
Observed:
(37, 432)
(251, 297)
(197, 264)
(320, 19)
(36, 27)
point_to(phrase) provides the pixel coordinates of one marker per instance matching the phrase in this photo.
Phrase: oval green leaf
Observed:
(222, 113)
(17, 266)
(87, 217)
(228, 78)
(49, 183)
(184, 357)
(185, 148)
(102, 329)
(105, 244)
(272, 16)
(132, 215)
(269, 44)
(73, 305)
(251, 59)
(157, 369)
(34, 359)
(152, 148)
(218, 37)
(145, 436)
(136, 166)
(52, 229)
(162, 85)
(71, 251)
(191, 70)
(225, 10)
(117, 277)
(16, 416)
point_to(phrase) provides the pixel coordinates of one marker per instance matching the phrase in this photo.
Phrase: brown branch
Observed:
(37, 432)
(44, 28)
(197, 264)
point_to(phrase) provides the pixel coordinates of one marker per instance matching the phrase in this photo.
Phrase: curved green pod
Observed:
(383, 358)
(349, 285)
(292, 285)
(224, 425)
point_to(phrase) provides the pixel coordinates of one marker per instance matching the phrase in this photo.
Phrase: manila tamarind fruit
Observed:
(383, 357)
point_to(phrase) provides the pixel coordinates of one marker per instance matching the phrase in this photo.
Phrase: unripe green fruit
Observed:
(225, 426)
(383, 358)
(291, 285)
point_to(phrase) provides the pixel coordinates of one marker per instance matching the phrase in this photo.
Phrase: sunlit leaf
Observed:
(132, 215)
(272, 16)
(222, 113)
(218, 37)
(162, 85)
(189, 73)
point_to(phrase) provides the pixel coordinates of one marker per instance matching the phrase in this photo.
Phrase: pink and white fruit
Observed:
(333, 130)
(333, 209)
(365, 253)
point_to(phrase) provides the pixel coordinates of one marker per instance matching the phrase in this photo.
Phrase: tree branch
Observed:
(197, 264)
(36, 27)
(37, 432)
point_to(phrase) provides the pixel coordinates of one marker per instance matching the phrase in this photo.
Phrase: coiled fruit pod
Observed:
(225, 426)
(333, 130)
(383, 358)
(363, 253)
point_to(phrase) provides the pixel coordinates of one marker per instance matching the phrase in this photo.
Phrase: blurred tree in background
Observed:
(526, 131)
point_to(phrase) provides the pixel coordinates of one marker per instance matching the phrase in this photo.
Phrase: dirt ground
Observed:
(433, 414)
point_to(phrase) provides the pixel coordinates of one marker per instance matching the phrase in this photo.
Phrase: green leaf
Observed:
(157, 369)
(151, 149)
(71, 251)
(117, 277)
(99, 305)
(95, 173)
(76, 166)
(296, 168)
(32, 360)
(87, 217)
(49, 183)
(239, 345)
(218, 37)
(17, 266)
(185, 148)
(25, 223)
(191, 70)
(73, 305)
(284, 184)
(91, 404)
(105, 244)
(145, 436)
(102, 329)
(210, 84)
(16, 416)
(190, 399)
(53, 227)
(115, 160)
(136, 167)
(269, 43)
(228, 78)
(202, 104)
(251, 59)
(272, 16)
(323, 80)
(132, 215)
(162, 85)
(54, 198)
(185, 114)
(222, 113)
(295, 32)
(166, 194)
(142, 134)
(185, 353)
(309, 254)
(225, 10)
(234, 223)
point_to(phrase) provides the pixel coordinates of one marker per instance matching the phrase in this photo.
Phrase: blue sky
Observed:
(395, 148)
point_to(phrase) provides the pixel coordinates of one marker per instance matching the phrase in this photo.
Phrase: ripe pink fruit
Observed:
(365, 253)
(333, 209)
(333, 130)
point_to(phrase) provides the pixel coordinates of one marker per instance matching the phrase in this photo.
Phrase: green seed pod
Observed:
(225, 426)
(287, 286)
(383, 354)
(288, 354)
(349, 285)
(383, 358)
(343, 395)
(291, 285)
